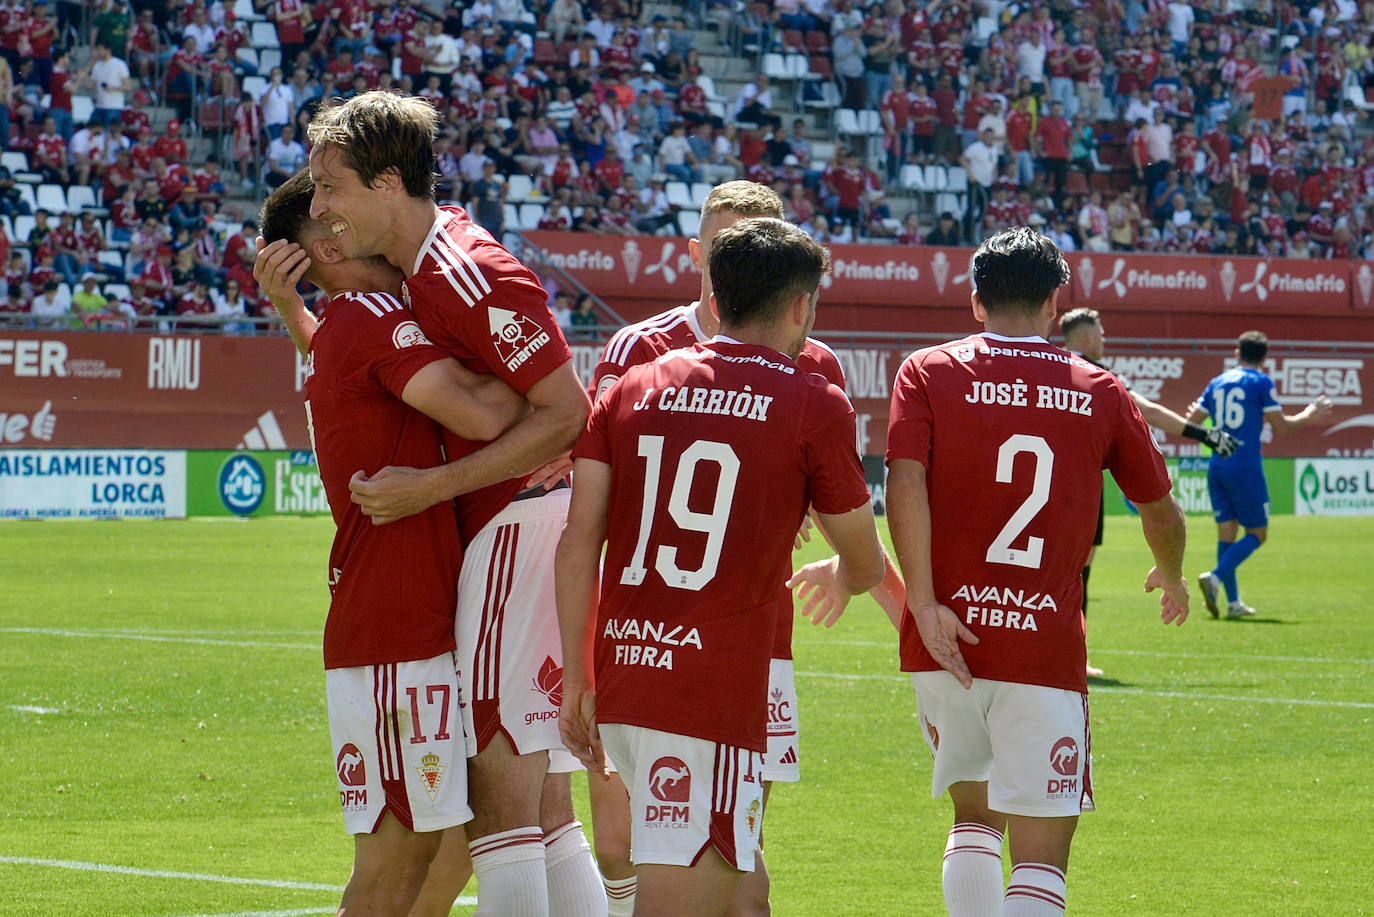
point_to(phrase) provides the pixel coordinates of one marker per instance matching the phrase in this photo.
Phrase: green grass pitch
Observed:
(164, 748)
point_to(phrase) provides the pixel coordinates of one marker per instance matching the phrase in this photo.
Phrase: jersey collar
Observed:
(1033, 339)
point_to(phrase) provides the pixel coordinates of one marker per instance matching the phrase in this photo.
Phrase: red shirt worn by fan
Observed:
(478, 302)
(716, 452)
(1014, 434)
(393, 588)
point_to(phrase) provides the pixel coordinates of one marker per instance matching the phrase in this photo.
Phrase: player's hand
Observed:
(1223, 443)
(392, 493)
(577, 728)
(549, 475)
(941, 630)
(1173, 602)
(1320, 408)
(804, 533)
(277, 269)
(818, 586)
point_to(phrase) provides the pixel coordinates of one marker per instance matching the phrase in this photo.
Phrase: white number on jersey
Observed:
(712, 523)
(1001, 551)
(1230, 412)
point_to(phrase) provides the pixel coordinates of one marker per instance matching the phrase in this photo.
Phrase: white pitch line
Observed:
(165, 874)
(1162, 654)
(1186, 695)
(155, 638)
(29, 708)
(465, 900)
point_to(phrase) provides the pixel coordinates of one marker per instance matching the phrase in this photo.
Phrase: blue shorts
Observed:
(1239, 493)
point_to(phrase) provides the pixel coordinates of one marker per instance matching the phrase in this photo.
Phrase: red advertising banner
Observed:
(654, 267)
(71, 390)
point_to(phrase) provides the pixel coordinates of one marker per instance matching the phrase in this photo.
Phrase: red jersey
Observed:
(1054, 134)
(898, 104)
(923, 115)
(171, 148)
(1011, 496)
(59, 87)
(51, 149)
(393, 588)
(679, 606)
(675, 329)
(478, 302)
(189, 305)
(1018, 131)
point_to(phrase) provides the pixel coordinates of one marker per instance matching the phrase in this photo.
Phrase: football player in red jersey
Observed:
(994, 637)
(685, 326)
(373, 384)
(372, 162)
(735, 415)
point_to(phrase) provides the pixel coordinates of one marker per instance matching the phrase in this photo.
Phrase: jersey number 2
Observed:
(1001, 551)
(712, 524)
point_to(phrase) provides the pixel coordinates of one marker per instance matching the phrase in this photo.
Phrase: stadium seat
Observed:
(518, 188)
(1076, 183)
(937, 179)
(983, 29)
(27, 196)
(944, 201)
(708, 86)
(23, 225)
(111, 259)
(255, 86)
(817, 42)
(870, 122)
(15, 161)
(511, 215)
(799, 67)
(264, 35)
(80, 197)
(699, 191)
(912, 178)
(249, 56)
(530, 215)
(830, 96)
(775, 67)
(689, 222)
(847, 122)
(679, 194)
(82, 108)
(821, 66)
(244, 11)
(210, 119)
(52, 198)
(792, 40)
(545, 54)
(267, 59)
(821, 152)
(957, 179)
(117, 290)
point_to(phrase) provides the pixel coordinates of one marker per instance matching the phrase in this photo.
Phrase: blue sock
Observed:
(1234, 557)
(1228, 580)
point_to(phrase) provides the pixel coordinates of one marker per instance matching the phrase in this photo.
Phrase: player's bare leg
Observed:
(575, 888)
(389, 867)
(611, 818)
(1040, 857)
(448, 875)
(703, 890)
(506, 842)
(972, 870)
(751, 898)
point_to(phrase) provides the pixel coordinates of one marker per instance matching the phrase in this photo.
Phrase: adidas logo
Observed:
(790, 757)
(266, 435)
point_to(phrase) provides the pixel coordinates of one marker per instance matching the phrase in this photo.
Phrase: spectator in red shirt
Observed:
(1052, 143)
(50, 154)
(1019, 126)
(170, 146)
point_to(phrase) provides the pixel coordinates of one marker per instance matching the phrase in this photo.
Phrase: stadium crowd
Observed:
(1123, 126)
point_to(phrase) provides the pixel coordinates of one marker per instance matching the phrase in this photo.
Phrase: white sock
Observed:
(1035, 890)
(972, 874)
(575, 888)
(511, 879)
(620, 895)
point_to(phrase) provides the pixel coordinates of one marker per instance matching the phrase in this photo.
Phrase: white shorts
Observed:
(398, 744)
(562, 761)
(687, 794)
(510, 658)
(1032, 744)
(780, 763)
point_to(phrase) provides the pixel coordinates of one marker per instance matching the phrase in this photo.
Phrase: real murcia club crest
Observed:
(432, 773)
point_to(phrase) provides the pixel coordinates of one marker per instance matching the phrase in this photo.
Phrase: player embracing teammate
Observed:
(996, 447)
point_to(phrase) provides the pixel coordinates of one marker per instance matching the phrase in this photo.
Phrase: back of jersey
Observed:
(715, 453)
(1014, 434)
(1237, 400)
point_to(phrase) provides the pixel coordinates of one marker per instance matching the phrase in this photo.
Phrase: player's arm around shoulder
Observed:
(472, 406)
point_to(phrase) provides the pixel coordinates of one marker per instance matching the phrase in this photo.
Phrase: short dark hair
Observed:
(1074, 318)
(376, 131)
(1017, 269)
(1253, 347)
(759, 265)
(286, 212)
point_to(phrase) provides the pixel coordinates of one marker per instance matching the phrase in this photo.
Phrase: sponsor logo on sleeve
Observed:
(516, 337)
(408, 334)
